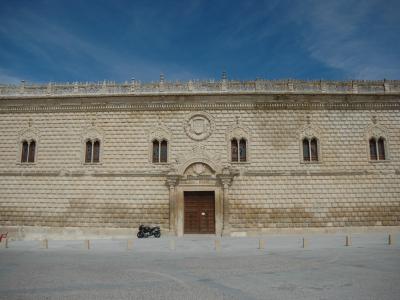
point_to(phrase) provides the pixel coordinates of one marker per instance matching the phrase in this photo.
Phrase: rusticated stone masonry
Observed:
(273, 189)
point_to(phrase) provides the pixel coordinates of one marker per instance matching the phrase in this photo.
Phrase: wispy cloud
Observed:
(48, 42)
(337, 35)
(96, 40)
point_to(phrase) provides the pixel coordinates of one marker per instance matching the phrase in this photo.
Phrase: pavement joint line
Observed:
(230, 243)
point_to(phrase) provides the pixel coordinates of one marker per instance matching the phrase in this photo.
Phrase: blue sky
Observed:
(50, 40)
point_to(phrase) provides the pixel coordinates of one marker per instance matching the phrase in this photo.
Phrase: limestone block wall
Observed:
(274, 189)
(274, 139)
(259, 202)
(83, 201)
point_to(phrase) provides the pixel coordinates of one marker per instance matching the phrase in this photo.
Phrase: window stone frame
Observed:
(377, 132)
(310, 132)
(238, 132)
(28, 135)
(160, 133)
(93, 134)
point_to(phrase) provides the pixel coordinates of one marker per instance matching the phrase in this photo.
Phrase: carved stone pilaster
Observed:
(386, 86)
(224, 82)
(133, 85)
(354, 87)
(172, 181)
(49, 89)
(190, 86)
(226, 178)
(161, 84)
(290, 86)
(22, 87)
(323, 86)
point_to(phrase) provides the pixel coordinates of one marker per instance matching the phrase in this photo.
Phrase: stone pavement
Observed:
(191, 268)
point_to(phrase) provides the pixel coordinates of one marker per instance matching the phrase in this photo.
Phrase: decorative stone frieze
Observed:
(206, 87)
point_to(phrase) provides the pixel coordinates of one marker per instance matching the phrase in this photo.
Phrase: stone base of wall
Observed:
(68, 233)
(320, 230)
(80, 233)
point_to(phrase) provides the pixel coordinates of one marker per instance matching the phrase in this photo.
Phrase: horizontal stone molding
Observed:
(164, 87)
(200, 103)
(78, 174)
(165, 174)
(318, 173)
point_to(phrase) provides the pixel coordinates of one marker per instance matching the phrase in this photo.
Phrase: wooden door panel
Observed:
(199, 212)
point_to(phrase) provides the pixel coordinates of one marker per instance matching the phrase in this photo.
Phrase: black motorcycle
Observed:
(146, 231)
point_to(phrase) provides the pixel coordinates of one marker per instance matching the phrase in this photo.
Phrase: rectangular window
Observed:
(156, 151)
(88, 155)
(96, 152)
(32, 148)
(234, 150)
(372, 149)
(314, 150)
(24, 154)
(242, 150)
(164, 151)
(306, 150)
(381, 149)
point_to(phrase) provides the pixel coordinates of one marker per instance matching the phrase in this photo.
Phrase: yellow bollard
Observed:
(129, 245)
(305, 243)
(217, 245)
(261, 244)
(390, 240)
(4, 243)
(45, 244)
(348, 241)
(87, 244)
(172, 245)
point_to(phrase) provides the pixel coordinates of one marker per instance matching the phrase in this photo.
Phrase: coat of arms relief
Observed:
(199, 126)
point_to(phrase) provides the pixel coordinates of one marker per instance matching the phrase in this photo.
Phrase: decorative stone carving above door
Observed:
(199, 169)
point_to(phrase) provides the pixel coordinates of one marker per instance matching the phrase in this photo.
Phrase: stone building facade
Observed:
(224, 157)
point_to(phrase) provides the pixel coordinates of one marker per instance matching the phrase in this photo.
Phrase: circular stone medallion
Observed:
(199, 126)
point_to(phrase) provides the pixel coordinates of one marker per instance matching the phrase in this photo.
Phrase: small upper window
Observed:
(238, 150)
(164, 151)
(28, 151)
(242, 150)
(160, 151)
(92, 152)
(310, 149)
(234, 150)
(377, 149)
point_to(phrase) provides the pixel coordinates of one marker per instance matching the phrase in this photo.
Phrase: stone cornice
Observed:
(201, 87)
(318, 173)
(197, 102)
(174, 178)
(83, 173)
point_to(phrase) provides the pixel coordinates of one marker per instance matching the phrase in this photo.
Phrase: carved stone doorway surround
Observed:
(199, 176)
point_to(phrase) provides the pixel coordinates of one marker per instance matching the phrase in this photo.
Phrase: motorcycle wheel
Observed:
(157, 234)
(140, 235)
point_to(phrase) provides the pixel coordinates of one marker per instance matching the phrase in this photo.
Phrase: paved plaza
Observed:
(195, 267)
